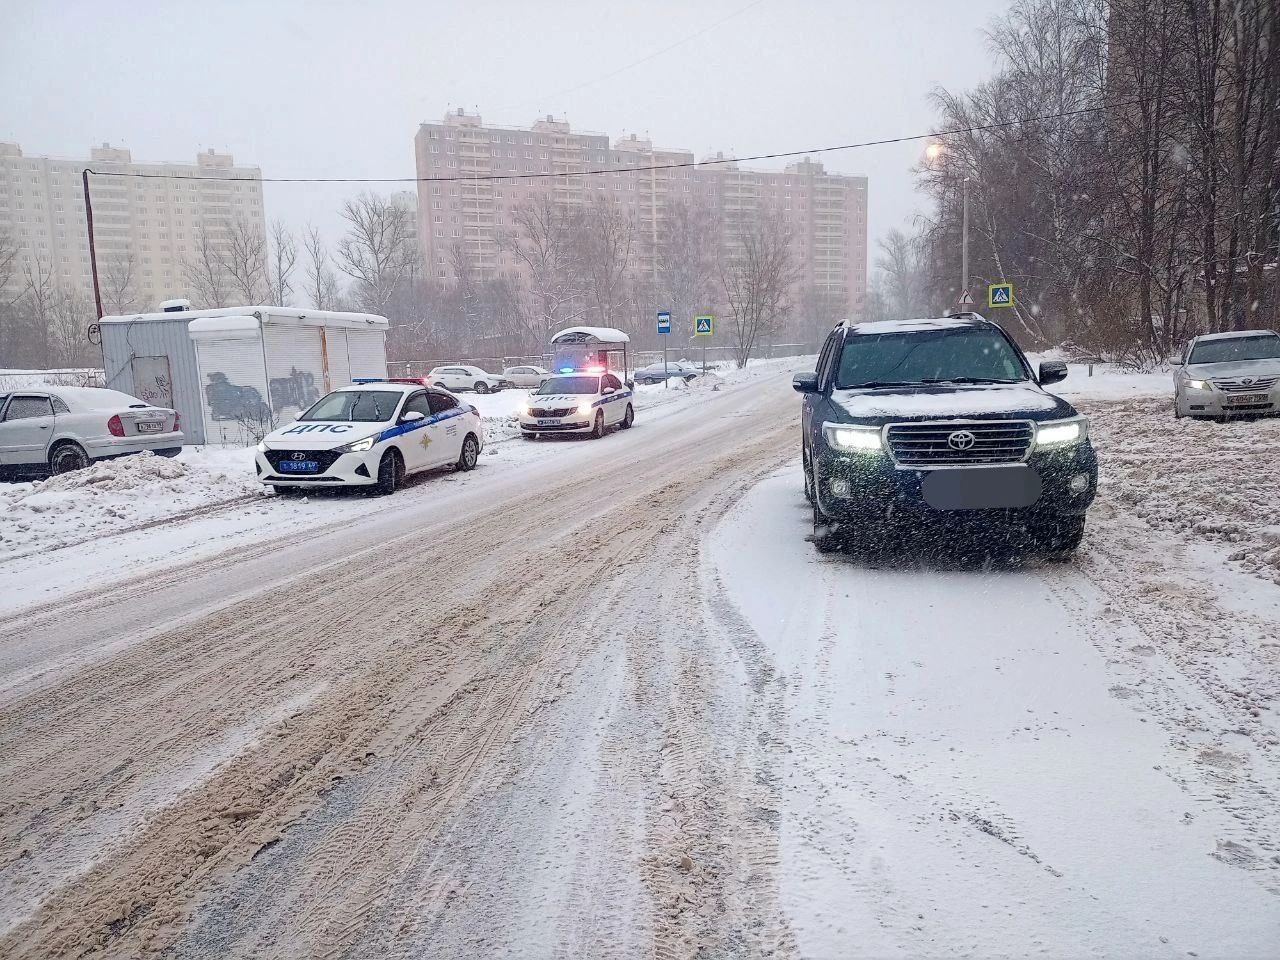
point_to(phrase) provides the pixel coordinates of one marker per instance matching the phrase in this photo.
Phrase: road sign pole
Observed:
(964, 240)
(665, 380)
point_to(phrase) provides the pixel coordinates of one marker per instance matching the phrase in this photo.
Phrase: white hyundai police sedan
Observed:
(586, 402)
(371, 434)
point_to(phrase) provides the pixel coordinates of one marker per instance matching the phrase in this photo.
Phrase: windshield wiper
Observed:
(966, 380)
(873, 384)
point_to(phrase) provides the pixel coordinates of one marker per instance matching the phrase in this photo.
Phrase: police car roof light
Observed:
(368, 380)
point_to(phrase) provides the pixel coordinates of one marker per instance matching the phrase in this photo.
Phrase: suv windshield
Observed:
(1231, 349)
(963, 354)
(357, 406)
(569, 385)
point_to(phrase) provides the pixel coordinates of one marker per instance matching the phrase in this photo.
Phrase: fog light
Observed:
(840, 488)
(1079, 483)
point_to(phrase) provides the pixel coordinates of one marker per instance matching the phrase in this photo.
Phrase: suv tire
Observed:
(826, 538)
(1060, 538)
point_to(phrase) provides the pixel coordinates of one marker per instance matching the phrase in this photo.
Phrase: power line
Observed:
(888, 141)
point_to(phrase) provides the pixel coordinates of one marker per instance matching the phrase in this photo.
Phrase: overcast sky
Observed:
(336, 89)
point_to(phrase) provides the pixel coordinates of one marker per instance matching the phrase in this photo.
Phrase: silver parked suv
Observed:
(1228, 374)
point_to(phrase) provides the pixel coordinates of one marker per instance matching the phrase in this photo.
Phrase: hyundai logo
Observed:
(300, 455)
(961, 440)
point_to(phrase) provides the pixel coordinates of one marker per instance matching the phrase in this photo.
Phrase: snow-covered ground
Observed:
(136, 513)
(1060, 761)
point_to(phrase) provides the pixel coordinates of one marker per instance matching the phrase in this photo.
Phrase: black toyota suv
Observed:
(941, 420)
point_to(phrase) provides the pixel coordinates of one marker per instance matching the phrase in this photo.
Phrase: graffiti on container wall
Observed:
(297, 391)
(230, 401)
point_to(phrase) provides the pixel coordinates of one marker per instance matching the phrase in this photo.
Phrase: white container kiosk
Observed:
(259, 367)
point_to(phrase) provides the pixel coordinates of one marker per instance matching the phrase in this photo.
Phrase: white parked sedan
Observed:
(577, 403)
(57, 429)
(527, 377)
(371, 433)
(459, 377)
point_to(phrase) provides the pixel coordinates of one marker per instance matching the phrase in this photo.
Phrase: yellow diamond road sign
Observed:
(1000, 295)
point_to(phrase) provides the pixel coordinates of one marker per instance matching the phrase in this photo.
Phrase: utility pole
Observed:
(93, 255)
(964, 238)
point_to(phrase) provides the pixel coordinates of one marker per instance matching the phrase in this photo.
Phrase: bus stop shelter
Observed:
(580, 348)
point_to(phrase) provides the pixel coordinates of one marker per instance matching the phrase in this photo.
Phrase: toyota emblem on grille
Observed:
(300, 455)
(961, 440)
(1247, 381)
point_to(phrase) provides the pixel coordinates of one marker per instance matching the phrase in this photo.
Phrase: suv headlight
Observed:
(851, 437)
(358, 446)
(1059, 433)
(1197, 384)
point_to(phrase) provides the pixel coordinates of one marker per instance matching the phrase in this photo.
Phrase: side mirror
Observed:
(805, 383)
(413, 416)
(607, 390)
(1052, 371)
(631, 384)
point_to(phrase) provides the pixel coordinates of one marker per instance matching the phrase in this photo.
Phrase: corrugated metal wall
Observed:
(121, 342)
(236, 412)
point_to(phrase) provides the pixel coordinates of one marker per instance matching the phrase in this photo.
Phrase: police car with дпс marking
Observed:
(587, 401)
(371, 433)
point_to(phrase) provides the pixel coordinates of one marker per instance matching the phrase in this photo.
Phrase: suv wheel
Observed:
(808, 476)
(826, 539)
(1060, 538)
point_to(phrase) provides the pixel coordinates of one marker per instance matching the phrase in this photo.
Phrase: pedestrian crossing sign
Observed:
(704, 326)
(1000, 295)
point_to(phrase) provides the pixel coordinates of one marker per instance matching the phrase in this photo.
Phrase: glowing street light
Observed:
(934, 151)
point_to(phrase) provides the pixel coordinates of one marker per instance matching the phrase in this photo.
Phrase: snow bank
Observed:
(1108, 381)
(116, 495)
(1209, 481)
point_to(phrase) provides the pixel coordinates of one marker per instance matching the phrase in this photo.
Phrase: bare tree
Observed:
(244, 258)
(605, 238)
(377, 251)
(758, 277)
(902, 274)
(543, 243)
(118, 282)
(204, 271)
(284, 257)
(322, 282)
(686, 256)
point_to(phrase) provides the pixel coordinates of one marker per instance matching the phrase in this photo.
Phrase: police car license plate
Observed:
(299, 466)
(145, 426)
(548, 422)
(1244, 399)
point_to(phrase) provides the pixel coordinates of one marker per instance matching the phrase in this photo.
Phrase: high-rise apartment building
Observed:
(827, 212)
(146, 228)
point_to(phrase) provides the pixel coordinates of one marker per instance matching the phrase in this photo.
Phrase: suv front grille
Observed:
(551, 412)
(326, 458)
(930, 444)
(1237, 384)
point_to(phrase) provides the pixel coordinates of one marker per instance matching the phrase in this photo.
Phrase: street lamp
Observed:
(933, 153)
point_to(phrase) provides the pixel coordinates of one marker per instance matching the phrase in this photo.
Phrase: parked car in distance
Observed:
(1228, 374)
(675, 370)
(459, 377)
(527, 377)
(51, 430)
(588, 402)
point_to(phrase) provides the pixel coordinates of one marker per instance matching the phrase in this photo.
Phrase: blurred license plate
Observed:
(145, 426)
(990, 488)
(299, 466)
(1240, 399)
(548, 422)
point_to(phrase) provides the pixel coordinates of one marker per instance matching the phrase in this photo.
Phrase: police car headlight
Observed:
(358, 446)
(1058, 433)
(584, 409)
(524, 408)
(262, 447)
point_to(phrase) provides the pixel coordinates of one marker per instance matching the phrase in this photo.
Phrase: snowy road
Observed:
(507, 715)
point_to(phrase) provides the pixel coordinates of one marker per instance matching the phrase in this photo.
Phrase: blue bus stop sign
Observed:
(664, 321)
